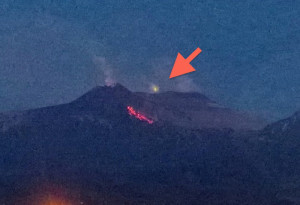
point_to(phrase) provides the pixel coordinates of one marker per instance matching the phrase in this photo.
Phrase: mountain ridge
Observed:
(192, 109)
(94, 143)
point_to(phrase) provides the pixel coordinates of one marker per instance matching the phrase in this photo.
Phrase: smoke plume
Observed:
(102, 67)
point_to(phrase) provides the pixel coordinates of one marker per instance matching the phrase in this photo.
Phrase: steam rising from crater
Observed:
(103, 67)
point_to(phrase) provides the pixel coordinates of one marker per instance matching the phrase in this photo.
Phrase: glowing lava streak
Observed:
(132, 112)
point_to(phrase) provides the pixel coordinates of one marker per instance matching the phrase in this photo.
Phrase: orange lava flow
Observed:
(136, 114)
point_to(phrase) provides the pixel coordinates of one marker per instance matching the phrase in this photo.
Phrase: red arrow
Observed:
(182, 65)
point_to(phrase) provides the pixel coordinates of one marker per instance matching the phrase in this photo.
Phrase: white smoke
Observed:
(102, 67)
(185, 84)
(155, 81)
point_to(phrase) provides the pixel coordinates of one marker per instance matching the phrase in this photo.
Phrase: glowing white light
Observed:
(155, 88)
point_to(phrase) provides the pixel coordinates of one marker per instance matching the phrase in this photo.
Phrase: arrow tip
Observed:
(181, 67)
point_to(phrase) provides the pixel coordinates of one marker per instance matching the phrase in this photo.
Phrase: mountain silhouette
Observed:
(93, 147)
(192, 110)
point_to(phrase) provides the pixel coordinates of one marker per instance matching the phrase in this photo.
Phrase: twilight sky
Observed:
(52, 51)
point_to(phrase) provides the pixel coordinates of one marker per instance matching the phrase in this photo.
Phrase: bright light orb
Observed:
(155, 88)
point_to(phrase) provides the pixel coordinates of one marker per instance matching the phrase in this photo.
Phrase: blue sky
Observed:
(53, 51)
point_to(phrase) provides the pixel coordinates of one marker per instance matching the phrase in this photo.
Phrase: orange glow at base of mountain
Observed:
(55, 201)
(49, 194)
(136, 114)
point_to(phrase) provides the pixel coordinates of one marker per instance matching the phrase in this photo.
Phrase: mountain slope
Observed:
(288, 126)
(192, 110)
(195, 110)
(92, 144)
(275, 151)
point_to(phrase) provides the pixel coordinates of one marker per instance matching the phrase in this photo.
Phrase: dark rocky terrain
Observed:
(91, 151)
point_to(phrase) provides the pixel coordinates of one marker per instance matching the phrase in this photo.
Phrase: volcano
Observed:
(103, 147)
(191, 110)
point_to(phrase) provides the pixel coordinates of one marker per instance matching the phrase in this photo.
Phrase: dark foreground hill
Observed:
(91, 151)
